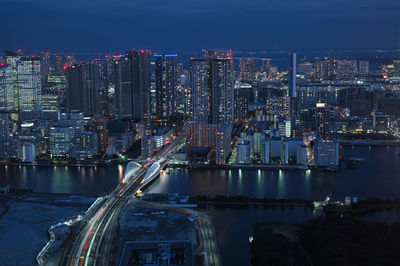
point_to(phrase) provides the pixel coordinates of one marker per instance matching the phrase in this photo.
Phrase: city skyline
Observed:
(204, 133)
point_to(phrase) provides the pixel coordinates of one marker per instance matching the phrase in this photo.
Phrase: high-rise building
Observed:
(69, 60)
(346, 69)
(292, 88)
(322, 121)
(29, 84)
(100, 128)
(266, 65)
(132, 84)
(199, 90)
(59, 65)
(323, 68)
(247, 69)
(241, 105)
(292, 75)
(83, 91)
(363, 66)
(6, 88)
(12, 59)
(218, 87)
(44, 66)
(166, 81)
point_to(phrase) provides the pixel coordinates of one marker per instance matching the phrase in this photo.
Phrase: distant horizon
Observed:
(351, 54)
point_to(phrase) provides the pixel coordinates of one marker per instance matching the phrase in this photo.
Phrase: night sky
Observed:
(101, 25)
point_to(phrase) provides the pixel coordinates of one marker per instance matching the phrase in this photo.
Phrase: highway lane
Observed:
(92, 246)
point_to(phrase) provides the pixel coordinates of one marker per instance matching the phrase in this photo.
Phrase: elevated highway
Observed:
(93, 238)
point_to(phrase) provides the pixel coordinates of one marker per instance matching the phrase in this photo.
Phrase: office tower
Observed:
(322, 121)
(266, 65)
(363, 66)
(212, 77)
(6, 88)
(44, 66)
(88, 147)
(59, 65)
(50, 99)
(292, 75)
(8, 144)
(166, 81)
(12, 59)
(83, 91)
(247, 69)
(61, 141)
(346, 69)
(132, 84)
(29, 84)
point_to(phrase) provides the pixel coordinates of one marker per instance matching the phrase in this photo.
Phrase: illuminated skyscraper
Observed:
(363, 66)
(346, 69)
(292, 88)
(29, 84)
(6, 88)
(247, 69)
(292, 75)
(132, 84)
(85, 85)
(266, 65)
(199, 90)
(69, 60)
(212, 77)
(12, 59)
(44, 66)
(166, 81)
(59, 65)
